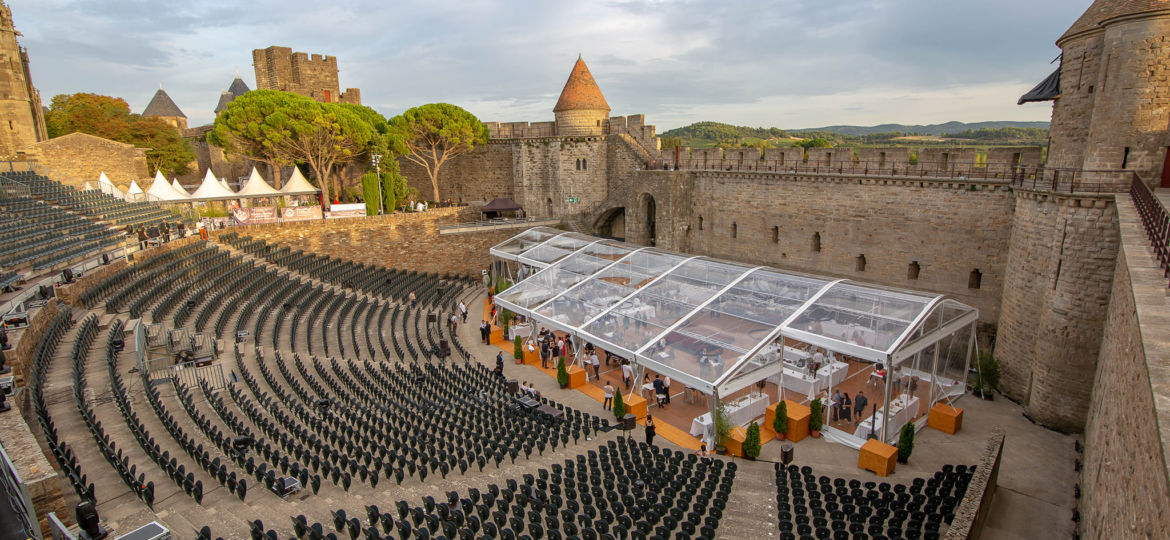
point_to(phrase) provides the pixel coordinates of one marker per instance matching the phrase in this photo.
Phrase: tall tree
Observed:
(323, 135)
(110, 118)
(432, 134)
(254, 124)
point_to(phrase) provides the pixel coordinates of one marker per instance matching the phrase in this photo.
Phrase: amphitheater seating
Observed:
(41, 236)
(835, 508)
(91, 203)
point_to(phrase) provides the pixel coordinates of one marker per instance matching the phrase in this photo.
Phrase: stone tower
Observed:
(582, 109)
(161, 106)
(235, 90)
(19, 100)
(1113, 111)
(279, 68)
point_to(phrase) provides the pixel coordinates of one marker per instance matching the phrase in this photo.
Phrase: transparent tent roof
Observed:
(707, 322)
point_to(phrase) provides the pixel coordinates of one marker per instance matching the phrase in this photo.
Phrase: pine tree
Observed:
(751, 443)
(619, 406)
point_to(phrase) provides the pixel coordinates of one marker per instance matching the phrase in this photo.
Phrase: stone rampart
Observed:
(76, 158)
(1124, 478)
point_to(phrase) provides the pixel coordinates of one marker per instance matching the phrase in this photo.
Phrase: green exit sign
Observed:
(572, 199)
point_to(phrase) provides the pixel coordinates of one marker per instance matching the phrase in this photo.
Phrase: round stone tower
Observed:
(20, 102)
(582, 109)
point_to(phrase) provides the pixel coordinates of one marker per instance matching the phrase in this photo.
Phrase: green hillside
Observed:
(982, 134)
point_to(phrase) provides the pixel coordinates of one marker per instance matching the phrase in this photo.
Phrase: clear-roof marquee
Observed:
(713, 324)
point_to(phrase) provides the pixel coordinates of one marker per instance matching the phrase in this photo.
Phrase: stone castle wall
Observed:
(20, 103)
(1124, 485)
(409, 241)
(76, 158)
(315, 76)
(1059, 272)
(482, 175)
(994, 163)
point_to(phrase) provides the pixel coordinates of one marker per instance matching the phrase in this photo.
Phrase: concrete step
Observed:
(751, 508)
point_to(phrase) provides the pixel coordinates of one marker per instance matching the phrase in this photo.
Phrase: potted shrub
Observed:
(751, 443)
(518, 350)
(722, 427)
(619, 406)
(816, 418)
(986, 380)
(562, 373)
(906, 443)
(780, 422)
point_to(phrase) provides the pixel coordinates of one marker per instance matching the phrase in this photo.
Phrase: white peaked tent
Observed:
(88, 186)
(225, 185)
(212, 189)
(297, 185)
(162, 191)
(179, 187)
(108, 187)
(135, 193)
(257, 187)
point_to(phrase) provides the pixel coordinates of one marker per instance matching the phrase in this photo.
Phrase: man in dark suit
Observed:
(859, 403)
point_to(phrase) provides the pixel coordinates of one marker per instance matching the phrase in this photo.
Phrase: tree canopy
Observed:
(110, 118)
(430, 135)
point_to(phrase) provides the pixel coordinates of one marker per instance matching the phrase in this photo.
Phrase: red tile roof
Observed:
(581, 91)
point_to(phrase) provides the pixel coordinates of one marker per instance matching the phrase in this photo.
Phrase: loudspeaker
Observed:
(323, 403)
(432, 318)
(105, 259)
(629, 421)
(87, 518)
(513, 386)
(46, 292)
(67, 275)
(444, 348)
(786, 453)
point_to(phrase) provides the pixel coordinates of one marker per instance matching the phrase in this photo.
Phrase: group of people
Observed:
(842, 408)
(158, 233)
(552, 346)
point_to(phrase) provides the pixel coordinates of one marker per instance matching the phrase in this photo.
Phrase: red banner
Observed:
(254, 215)
(301, 213)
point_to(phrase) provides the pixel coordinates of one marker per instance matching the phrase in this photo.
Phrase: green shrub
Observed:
(619, 406)
(518, 350)
(562, 373)
(816, 419)
(906, 442)
(751, 444)
(722, 423)
(780, 423)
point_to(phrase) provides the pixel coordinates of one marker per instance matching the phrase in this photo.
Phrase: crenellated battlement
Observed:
(312, 75)
(845, 160)
(633, 125)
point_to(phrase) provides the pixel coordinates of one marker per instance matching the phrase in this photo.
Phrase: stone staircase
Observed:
(751, 508)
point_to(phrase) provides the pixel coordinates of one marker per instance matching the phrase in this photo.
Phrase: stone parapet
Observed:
(976, 504)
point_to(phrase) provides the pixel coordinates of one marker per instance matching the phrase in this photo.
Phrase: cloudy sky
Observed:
(787, 63)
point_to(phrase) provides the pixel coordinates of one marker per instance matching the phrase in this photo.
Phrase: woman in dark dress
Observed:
(846, 406)
(649, 430)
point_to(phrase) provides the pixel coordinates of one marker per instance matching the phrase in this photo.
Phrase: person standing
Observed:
(859, 403)
(627, 373)
(545, 353)
(846, 407)
(835, 412)
(413, 299)
(463, 311)
(166, 232)
(453, 322)
(608, 389)
(202, 228)
(141, 238)
(596, 366)
(649, 430)
(483, 332)
(659, 390)
(666, 388)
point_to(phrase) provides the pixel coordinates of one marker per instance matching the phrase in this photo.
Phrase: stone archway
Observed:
(650, 215)
(611, 223)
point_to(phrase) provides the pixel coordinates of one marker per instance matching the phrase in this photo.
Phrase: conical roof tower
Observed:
(161, 106)
(581, 109)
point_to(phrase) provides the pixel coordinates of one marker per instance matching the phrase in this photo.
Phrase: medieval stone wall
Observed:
(20, 103)
(1073, 110)
(549, 172)
(409, 241)
(1060, 268)
(859, 228)
(76, 158)
(1124, 486)
(315, 76)
(481, 175)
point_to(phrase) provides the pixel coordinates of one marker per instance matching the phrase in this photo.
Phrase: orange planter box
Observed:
(945, 418)
(635, 404)
(798, 417)
(577, 377)
(497, 336)
(878, 457)
(734, 441)
(531, 357)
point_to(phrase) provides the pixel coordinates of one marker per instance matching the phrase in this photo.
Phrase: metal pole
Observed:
(886, 403)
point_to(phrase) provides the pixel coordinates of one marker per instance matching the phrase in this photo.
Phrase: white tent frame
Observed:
(904, 345)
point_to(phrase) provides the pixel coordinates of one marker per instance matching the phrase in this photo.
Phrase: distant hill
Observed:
(712, 134)
(930, 129)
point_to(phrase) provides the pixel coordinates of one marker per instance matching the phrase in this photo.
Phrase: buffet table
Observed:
(739, 412)
(798, 380)
(901, 412)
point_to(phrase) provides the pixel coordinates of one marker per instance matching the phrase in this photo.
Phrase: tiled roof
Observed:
(581, 91)
(238, 88)
(1103, 10)
(162, 105)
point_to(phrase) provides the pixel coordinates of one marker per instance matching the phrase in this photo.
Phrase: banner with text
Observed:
(301, 213)
(255, 215)
(347, 210)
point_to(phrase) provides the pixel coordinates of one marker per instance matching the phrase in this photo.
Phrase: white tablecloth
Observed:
(900, 414)
(834, 373)
(739, 413)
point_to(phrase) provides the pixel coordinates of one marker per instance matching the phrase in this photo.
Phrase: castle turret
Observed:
(161, 106)
(582, 109)
(20, 103)
(235, 90)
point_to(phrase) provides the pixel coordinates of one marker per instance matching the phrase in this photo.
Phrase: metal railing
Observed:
(1156, 221)
(19, 498)
(493, 223)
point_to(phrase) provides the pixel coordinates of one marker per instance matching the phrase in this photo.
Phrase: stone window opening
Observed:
(735, 230)
(578, 164)
(584, 164)
(599, 123)
(10, 125)
(700, 223)
(912, 271)
(975, 279)
(1124, 157)
(775, 235)
(816, 242)
(859, 263)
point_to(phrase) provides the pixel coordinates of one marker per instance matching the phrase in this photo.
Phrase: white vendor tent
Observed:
(88, 186)
(162, 191)
(212, 189)
(297, 185)
(135, 193)
(257, 187)
(179, 187)
(108, 187)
